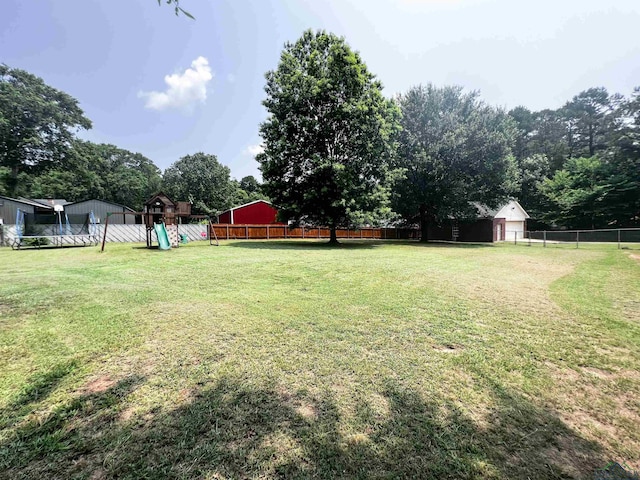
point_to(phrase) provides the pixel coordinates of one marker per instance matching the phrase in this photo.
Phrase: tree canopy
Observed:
(454, 150)
(580, 164)
(100, 171)
(328, 138)
(37, 124)
(201, 179)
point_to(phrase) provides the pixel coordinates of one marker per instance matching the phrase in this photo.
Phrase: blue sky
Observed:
(114, 55)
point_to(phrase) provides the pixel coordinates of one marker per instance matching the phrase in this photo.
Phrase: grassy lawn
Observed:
(296, 360)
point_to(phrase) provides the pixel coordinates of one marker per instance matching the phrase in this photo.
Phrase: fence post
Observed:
(577, 238)
(618, 239)
(267, 232)
(515, 238)
(227, 231)
(303, 233)
(544, 238)
(246, 231)
(286, 229)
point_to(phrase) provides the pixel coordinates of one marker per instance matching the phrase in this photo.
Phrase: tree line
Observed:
(41, 156)
(337, 152)
(579, 165)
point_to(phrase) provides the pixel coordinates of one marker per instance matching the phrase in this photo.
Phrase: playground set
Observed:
(163, 217)
(36, 230)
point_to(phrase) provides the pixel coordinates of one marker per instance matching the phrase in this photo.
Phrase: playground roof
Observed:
(161, 196)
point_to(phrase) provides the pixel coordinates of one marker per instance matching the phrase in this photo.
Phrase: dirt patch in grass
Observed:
(98, 474)
(597, 372)
(523, 287)
(98, 385)
(569, 457)
(587, 403)
(127, 414)
(448, 348)
(307, 411)
(635, 257)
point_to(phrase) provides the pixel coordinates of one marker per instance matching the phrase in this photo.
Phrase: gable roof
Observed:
(160, 196)
(247, 204)
(512, 211)
(26, 201)
(484, 211)
(103, 201)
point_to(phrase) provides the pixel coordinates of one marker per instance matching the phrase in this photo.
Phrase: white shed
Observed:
(515, 220)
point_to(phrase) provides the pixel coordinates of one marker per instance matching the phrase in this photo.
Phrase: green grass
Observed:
(299, 360)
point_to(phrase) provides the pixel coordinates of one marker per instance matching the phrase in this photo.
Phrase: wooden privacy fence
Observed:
(136, 233)
(268, 232)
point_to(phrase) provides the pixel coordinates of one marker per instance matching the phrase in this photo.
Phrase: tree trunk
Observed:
(12, 182)
(424, 224)
(333, 238)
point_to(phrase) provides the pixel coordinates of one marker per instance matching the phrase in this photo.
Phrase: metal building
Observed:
(100, 209)
(9, 208)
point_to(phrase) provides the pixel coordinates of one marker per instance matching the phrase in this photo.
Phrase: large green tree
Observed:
(249, 190)
(37, 125)
(532, 171)
(541, 133)
(329, 134)
(577, 194)
(623, 164)
(590, 118)
(201, 179)
(454, 150)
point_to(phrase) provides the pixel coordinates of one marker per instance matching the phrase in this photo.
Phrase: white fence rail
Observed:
(115, 233)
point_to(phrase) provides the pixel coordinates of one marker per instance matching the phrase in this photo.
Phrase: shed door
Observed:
(498, 232)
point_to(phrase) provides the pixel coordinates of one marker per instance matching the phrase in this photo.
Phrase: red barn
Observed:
(259, 212)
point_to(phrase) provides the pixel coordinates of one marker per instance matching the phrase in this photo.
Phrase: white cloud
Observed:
(253, 150)
(184, 90)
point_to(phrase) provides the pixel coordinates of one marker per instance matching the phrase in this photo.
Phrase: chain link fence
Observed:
(623, 238)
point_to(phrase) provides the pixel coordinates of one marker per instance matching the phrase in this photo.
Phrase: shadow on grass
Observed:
(232, 429)
(438, 243)
(52, 445)
(354, 244)
(311, 244)
(40, 386)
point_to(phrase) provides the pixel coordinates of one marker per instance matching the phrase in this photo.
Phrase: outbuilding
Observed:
(515, 221)
(491, 225)
(9, 208)
(100, 208)
(258, 212)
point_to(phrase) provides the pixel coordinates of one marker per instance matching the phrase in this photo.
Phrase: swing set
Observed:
(158, 224)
